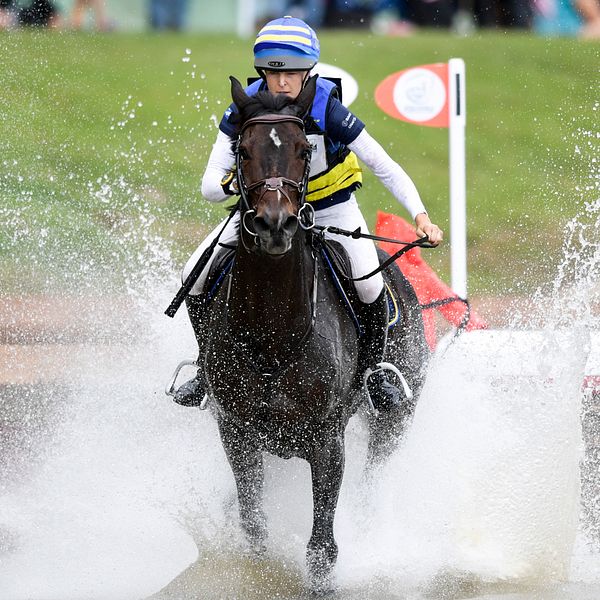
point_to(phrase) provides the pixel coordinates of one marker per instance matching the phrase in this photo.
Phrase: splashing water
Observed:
(110, 491)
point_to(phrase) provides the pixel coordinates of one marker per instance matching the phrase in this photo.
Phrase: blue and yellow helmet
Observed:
(286, 44)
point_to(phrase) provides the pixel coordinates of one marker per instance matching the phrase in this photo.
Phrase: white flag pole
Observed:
(458, 192)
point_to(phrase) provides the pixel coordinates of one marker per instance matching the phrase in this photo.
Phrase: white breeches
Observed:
(347, 215)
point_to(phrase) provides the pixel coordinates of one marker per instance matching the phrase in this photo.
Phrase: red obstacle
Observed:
(429, 288)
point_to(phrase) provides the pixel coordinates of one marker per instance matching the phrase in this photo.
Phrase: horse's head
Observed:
(273, 160)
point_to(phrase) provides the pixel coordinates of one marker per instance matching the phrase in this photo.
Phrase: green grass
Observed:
(104, 140)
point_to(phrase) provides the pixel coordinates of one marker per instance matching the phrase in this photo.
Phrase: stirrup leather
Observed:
(170, 387)
(385, 366)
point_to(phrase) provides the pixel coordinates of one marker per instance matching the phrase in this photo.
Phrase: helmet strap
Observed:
(306, 78)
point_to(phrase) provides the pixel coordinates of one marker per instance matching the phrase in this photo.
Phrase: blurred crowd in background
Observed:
(384, 17)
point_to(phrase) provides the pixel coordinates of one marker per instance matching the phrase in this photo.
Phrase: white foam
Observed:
(133, 486)
(127, 484)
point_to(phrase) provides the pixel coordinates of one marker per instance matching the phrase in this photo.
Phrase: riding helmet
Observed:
(286, 44)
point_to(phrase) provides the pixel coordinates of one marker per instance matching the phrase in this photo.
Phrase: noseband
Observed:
(272, 184)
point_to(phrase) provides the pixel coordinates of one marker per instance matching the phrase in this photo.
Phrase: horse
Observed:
(280, 359)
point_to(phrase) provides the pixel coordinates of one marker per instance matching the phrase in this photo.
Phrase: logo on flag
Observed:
(417, 95)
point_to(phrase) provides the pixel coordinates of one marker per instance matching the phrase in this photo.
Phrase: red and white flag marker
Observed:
(434, 96)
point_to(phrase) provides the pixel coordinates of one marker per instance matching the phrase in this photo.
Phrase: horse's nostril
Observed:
(278, 226)
(290, 224)
(261, 225)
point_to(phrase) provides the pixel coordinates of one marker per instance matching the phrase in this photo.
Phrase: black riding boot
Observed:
(374, 318)
(192, 392)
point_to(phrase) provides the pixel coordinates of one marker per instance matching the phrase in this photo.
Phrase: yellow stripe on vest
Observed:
(341, 176)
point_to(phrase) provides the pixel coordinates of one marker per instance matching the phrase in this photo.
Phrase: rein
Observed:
(418, 243)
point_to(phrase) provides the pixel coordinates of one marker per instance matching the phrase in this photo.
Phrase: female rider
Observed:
(285, 51)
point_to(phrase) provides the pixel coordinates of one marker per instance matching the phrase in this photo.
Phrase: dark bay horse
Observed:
(281, 353)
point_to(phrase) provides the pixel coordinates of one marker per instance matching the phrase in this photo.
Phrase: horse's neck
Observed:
(271, 300)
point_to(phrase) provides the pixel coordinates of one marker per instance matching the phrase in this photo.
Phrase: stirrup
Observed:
(385, 366)
(170, 388)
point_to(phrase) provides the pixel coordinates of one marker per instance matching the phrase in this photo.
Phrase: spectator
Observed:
(40, 13)
(590, 12)
(167, 14)
(390, 18)
(398, 17)
(568, 18)
(95, 7)
(8, 14)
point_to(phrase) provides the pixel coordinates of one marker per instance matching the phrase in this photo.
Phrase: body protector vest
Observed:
(333, 168)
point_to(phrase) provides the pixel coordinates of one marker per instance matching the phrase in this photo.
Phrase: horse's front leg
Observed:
(327, 468)
(247, 466)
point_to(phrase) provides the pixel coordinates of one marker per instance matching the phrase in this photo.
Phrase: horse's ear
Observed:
(306, 96)
(238, 95)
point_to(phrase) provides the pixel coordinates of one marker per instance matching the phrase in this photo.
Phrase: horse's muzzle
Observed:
(275, 231)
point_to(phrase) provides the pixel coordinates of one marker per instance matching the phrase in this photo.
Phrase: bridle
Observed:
(272, 184)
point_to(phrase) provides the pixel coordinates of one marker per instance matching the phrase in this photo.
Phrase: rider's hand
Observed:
(426, 227)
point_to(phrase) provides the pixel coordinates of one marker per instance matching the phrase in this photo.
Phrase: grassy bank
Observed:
(104, 140)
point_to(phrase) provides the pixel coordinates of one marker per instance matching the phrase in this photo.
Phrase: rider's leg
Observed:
(192, 392)
(374, 319)
(373, 313)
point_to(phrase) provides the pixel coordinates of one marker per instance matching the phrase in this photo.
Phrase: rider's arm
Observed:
(220, 163)
(389, 172)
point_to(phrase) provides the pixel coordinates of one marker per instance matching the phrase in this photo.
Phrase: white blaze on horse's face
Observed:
(273, 135)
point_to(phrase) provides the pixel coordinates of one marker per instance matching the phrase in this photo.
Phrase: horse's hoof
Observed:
(322, 586)
(320, 570)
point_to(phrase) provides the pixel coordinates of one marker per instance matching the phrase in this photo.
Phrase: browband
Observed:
(271, 119)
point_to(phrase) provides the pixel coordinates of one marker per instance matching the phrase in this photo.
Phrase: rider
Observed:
(285, 51)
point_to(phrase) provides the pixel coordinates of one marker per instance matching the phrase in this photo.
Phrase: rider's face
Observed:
(285, 82)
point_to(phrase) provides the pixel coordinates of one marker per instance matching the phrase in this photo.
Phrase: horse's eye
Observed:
(243, 154)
